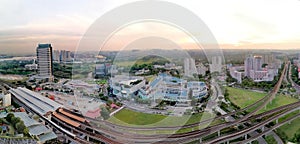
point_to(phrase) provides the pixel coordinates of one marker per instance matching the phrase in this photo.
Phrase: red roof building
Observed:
(114, 106)
(38, 89)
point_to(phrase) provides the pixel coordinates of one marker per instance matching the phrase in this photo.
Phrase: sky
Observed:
(249, 24)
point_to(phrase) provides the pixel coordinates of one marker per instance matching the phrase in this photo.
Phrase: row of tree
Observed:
(17, 123)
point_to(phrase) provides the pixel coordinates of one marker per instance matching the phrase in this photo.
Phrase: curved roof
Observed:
(66, 120)
(78, 118)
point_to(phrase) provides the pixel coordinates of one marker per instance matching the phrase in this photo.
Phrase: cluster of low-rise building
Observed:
(163, 86)
(168, 66)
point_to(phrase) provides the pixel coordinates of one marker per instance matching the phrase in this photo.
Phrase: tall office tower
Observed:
(248, 65)
(216, 64)
(44, 58)
(257, 63)
(189, 67)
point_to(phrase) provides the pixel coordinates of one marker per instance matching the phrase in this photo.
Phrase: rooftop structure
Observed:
(236, 73)
(5, 100)
(197, 89)
(34, 101)
(171, 88)
(69, 117)
(32, 66)
(35, 128)
(164, 86)
(126, 85)
(65, 119)
(78, 118)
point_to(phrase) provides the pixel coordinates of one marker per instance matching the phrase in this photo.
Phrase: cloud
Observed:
(235, 24)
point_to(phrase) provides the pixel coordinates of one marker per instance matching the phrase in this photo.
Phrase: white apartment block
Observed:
(216, 64)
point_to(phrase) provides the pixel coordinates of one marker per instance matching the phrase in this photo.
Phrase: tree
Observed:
(26, 132)
(109, 102)
(53, 141)
(9, 117)
(20, 127)
(296, 137)
(15, 120)
(104, 113)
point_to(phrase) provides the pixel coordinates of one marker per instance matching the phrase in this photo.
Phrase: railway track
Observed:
(267, 97)
(252, 128)
(129, 137)
(202, 133)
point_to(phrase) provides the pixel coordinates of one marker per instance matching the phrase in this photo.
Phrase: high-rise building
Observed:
(62, 56)
(201, 69)
(248, 65)
(257, 63)
(44, 58)
(105, 69)
(65, 56)
(216, 64)
(189, 67)
(268, 59)
(254, 70)
(56, 56)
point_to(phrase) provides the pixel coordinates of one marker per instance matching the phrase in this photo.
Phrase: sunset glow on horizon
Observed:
(235, 24)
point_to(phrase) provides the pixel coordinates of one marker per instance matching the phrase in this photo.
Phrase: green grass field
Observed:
(279, 100)
(133, 118)
(137, 119)
(243, 98)
(291, 129)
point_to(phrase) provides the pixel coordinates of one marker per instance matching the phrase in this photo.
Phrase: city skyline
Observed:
(149, 71)
(239, 25)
